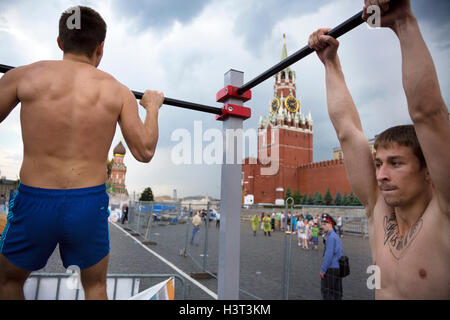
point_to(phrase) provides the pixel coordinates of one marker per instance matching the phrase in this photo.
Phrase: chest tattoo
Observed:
(398, 244)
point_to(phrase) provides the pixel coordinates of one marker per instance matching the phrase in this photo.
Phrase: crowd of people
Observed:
(307, 227)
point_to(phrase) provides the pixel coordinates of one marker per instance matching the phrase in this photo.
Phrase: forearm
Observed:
(420, 80)
(151, 128)
(341, 108)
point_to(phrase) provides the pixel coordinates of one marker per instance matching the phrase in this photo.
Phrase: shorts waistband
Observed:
(62, 192)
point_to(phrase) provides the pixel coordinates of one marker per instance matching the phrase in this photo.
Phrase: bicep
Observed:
(8, 93)
(130, 123)
(433, 134)
(360, 168)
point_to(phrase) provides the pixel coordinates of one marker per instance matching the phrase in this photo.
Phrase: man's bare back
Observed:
(68, 115)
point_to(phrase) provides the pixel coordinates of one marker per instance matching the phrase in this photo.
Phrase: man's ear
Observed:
(59, 43)
(100, 49)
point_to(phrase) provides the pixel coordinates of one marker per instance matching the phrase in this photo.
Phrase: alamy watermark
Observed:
(74, 21)
(213, 146)
(374, 20)
(374, 280)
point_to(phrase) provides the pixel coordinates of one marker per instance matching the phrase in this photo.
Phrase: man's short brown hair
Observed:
(404, 136)
(89, 34)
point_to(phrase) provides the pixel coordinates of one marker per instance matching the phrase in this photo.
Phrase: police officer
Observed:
(331, 282)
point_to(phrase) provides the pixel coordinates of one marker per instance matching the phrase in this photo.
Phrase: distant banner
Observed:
(162, 291)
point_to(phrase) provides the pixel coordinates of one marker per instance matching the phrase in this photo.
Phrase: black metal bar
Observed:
(167, 101)
(338, 31)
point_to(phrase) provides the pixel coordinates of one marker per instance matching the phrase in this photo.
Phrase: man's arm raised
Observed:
(425, 103)
(8, 92)
(344, 116)
(141, 137)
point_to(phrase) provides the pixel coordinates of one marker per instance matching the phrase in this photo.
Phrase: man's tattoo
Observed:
(399, 244)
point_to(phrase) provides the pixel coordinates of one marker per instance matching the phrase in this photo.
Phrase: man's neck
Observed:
(78, 58)
(407, 216)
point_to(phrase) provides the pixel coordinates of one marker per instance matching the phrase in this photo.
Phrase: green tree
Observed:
(304, 199)
(355, 201)
(288, 193)
(147, 195)
(328, 199)
(351, 199)
(338, 199)
(297, 197)
(318, 200)
(309, 200)
(344, 201)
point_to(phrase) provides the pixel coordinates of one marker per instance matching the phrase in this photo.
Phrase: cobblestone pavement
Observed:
(261, 262)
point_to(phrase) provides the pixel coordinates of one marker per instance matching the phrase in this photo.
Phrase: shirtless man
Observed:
(406, 190)
(69, 111)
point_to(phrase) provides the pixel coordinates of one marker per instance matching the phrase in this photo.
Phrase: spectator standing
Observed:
(266, 225)
(272, 221)
(124, 213)
(255, 224)
(278, 221)
(196, 222)
(315, 236)
(339, 225)
(294, 223)
(218, 220)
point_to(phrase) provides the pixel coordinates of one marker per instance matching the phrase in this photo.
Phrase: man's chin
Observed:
(392, 201)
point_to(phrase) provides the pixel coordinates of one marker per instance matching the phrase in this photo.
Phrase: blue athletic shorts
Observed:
(39, 219)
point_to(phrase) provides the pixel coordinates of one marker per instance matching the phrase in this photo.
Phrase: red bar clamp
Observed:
(235, 111)
(231, 92)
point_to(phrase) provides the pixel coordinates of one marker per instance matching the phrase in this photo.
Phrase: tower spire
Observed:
(284, 54)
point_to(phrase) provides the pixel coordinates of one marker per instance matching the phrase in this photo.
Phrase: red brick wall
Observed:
(308, 179)
(318, 177)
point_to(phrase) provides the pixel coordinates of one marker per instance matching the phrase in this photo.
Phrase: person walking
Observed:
(339, 225)
(266, 225)
(294, 222)
(278, 221)
(272, 221)
(315, 236)
(196, 222)
(218, 220)
(331, 281)
(255, 224)
(124, 213)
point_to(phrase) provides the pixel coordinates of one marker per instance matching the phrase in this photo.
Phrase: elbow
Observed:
(432, 111)
(143, 155)
(146, 157)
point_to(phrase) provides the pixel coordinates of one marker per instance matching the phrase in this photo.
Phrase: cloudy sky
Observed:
(183, 48)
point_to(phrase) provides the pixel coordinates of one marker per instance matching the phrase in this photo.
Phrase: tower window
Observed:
(283, 75)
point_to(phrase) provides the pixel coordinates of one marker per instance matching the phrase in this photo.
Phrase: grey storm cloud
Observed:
(160, 14)
(258, 20)
(435, 11)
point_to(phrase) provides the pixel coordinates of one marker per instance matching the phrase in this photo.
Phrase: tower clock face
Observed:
(275, 105)
(291, 104)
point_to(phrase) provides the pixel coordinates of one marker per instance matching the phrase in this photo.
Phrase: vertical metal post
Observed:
(205, 247)
(230, 202)
(138, 213)
(286, 254)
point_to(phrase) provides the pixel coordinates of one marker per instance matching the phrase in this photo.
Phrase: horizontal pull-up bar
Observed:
(167, 101)
(341, 29)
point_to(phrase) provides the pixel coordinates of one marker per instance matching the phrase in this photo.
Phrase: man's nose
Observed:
(382, 173)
